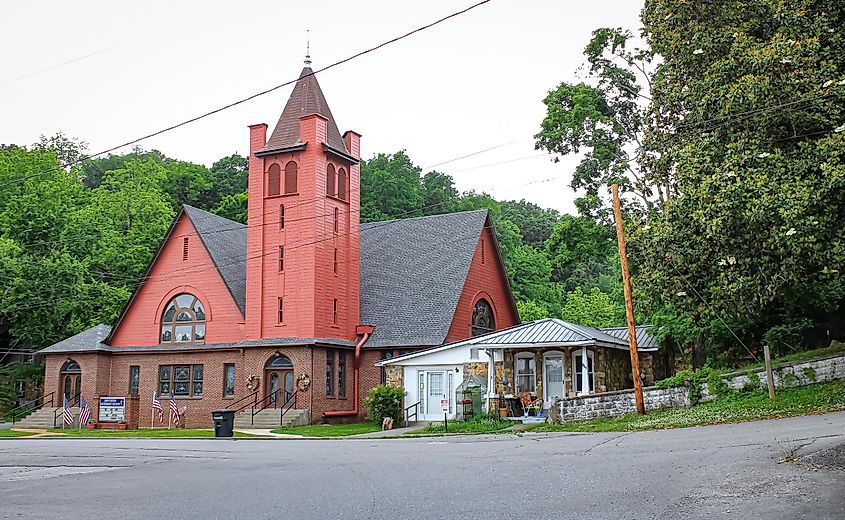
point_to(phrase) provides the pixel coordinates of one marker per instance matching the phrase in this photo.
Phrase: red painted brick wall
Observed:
(170, 276)
(485, 280)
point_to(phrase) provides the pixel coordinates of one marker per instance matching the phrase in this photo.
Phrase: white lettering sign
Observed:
(112, 409)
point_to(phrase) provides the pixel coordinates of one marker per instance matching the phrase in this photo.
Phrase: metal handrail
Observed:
(30, 407)
(253, 395)
(415, 415)
(287, 407)
(73, 402)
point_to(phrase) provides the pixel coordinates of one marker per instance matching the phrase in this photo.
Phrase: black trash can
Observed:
(224, 422)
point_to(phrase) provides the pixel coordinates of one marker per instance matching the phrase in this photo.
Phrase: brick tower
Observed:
(303, 247)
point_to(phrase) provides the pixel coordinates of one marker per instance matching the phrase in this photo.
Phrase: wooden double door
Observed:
(278, 386)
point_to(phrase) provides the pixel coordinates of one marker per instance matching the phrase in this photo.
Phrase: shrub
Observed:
(810, 374)
(753, 382)
(716, 386)
(384, 401)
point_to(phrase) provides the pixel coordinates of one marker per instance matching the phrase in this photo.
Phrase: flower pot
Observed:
(122, 426)
(503, 412)
(92, 426)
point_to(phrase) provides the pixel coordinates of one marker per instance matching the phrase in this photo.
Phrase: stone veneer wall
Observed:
(612, 404)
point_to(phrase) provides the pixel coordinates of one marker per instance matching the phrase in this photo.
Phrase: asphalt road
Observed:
(728, 471)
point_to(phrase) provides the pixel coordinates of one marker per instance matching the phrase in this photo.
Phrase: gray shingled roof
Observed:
(412, 274)
(307, 98)
(86, 341)
(91, 340)
(549, 331)
(225, 241)
(645, 341)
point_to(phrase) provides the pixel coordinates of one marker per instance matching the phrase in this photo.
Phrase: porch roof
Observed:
(546, 333)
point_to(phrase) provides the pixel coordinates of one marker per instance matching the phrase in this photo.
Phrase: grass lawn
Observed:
(9, 434)
(331, 430)
(483, 424)
(737, 407)
(795, 356)
(146, 433)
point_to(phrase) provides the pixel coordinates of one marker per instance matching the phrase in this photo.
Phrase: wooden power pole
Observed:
(629, 304)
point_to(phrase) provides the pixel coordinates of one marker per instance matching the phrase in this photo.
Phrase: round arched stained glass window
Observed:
(482, 318)
(183, 320)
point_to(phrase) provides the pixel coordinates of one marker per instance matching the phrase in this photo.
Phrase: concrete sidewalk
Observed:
(395, 432)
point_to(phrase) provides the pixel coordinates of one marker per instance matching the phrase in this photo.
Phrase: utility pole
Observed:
(629, 303)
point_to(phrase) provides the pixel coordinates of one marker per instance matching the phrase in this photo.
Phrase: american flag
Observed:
(174, 411)
(84, 413)
(68, 416)
(157, 406)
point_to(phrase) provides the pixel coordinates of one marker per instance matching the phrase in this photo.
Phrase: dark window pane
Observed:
(166, 334)
(164, 388)
(274, 179)
(341, 374)
(329, 372)
(181, 388)
(134, 380)
(197, 388)
(182, 373)
(183, 316)
(228, 380)
(169, 313)
(290, 177)
(164, 372)
(197, 372)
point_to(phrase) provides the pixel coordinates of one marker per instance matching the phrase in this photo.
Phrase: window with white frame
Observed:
(584, 371)
(526, 370)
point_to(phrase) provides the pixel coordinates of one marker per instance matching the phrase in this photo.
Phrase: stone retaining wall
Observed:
(612, 404)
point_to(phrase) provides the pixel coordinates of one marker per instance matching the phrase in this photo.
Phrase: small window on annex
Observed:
(341, 184)
(525, 370)
(134, 380)
(228, 380)
(482, 318)
(584, 371)
(183, 320)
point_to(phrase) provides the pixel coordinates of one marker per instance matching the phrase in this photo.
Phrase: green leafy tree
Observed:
(233, 207)
(594, 309)
(229, 177)
(535, 223)
(390, 188)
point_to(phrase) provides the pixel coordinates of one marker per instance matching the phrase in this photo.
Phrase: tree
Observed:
(535, 223)
(593, 309)
(229, 177)
(607, 122)
(753, 238)
(390, 188)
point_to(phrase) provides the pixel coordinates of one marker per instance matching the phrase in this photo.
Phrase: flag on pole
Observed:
(157, 407)
(174, 411)
(68, 416)
(84, 413)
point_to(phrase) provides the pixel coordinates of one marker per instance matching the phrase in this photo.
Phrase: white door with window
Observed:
(435, 391)
(436, 385)
(553, 375)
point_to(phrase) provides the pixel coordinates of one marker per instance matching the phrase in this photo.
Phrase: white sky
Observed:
(470, 83)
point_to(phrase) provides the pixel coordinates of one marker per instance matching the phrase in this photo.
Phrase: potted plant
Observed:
(121, 425)
(91, 425)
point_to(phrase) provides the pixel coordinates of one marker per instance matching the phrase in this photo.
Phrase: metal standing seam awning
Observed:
(548, 333)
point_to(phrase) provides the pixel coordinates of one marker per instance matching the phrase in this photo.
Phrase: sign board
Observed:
(112, 409)
(444, 405)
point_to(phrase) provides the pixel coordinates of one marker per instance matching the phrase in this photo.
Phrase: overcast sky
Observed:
(471, 83)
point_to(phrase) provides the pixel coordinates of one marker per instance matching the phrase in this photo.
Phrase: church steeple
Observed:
(303, 227)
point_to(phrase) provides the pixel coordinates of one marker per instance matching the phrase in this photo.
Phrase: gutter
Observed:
(365, 331)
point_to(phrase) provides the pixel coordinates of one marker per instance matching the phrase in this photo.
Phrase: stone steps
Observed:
(270, 419)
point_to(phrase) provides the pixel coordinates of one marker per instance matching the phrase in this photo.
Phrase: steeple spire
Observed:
(307, 48)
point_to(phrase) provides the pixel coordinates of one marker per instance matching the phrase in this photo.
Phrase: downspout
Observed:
(365, 331)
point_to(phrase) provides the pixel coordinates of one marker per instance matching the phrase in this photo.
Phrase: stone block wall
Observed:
(612, 404)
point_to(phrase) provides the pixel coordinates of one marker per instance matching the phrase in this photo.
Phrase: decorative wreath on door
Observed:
(252, 381)
(303, 382)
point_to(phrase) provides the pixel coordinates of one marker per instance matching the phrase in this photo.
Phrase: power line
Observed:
(476, 153)
(55, 66)
(253, 96)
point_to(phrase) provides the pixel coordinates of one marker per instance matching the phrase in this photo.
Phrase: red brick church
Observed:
(296, 306)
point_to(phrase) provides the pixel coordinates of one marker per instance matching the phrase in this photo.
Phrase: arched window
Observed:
(482, 318)
(290, 177)
(274, 179)
(330, 174)
(341, 184)
(279, 361)
(183, 320)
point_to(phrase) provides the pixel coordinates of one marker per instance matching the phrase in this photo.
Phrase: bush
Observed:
(716, 386)
(384, 401)
(753, 382)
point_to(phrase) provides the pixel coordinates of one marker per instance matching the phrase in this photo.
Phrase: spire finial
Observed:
(308, 47)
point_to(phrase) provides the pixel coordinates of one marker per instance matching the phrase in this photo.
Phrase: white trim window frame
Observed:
(525, 372)
(583, 376)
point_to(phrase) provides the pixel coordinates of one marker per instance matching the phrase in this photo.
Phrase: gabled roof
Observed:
(412, 274)
(86, 341)
(307, 98)
(225, 241)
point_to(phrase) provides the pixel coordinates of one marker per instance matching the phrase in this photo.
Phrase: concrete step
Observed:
(44, 418)
(270, 419)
